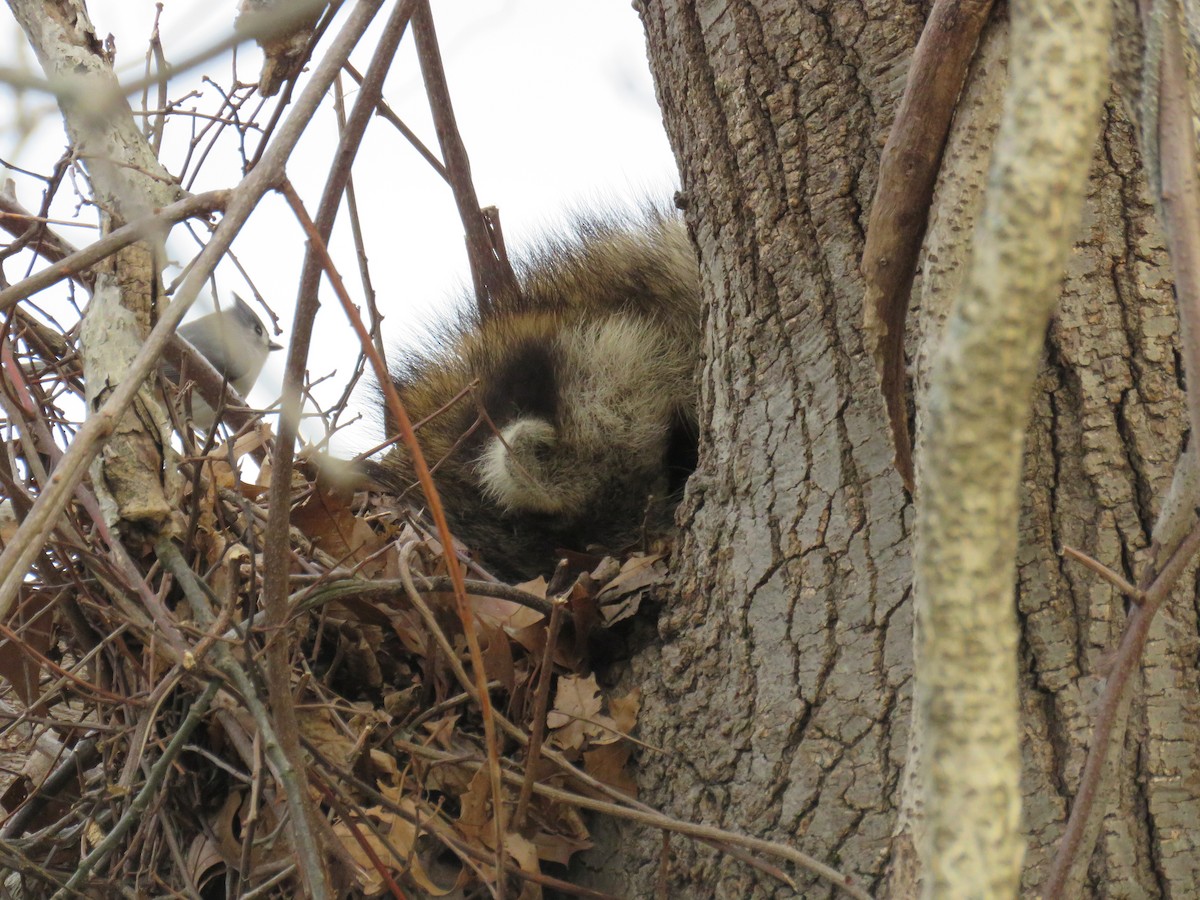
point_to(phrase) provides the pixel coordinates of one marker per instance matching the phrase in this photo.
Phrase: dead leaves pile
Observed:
(392, 737)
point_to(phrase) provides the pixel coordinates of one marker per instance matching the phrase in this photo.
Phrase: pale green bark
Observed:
(973, 440)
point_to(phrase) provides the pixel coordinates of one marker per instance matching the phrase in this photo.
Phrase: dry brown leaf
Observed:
(326, 519)
(473, 815)
(531, 639)
(558, 848)
(203, 857)
(497, 655)
(435, 827)
(226, 471)
(221, 476)
(413, 634)
(451, 780)
(264, 474)
(231, 821)
(525, 853)
(524, 625)
(585, 615)
(206, 853)
(442, 731)
(401, 834)
(607, 763)
(19, 664)
(247, 442)
(316, 724)
(537, 587)
(384, 764)
(602, 730)
(624, 710)
(211, 542)
(390, 558)
(621, 597)
(575, 698)
(366, 873)
(562, 834)
(401, 704)
(360, 646)
(504, 613)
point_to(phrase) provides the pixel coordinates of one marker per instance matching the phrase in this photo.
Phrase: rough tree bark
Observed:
(781, 689)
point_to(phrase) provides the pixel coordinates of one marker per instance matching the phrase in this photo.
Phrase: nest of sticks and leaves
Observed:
(142, 740)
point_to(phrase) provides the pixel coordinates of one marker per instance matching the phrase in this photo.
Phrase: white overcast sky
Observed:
(553, 99)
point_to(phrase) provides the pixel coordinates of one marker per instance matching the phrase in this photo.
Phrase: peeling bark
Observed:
(136, 476)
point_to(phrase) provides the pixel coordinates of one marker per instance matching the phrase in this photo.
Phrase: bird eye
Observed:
(258, 329)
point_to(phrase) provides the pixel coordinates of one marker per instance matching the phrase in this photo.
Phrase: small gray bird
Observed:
(236, 343)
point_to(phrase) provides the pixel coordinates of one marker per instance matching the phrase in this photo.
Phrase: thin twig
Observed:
(1126, 661)
(30, 227)
(908, 168)
(148, 793)
(542, 699)
(385, 589)
(466, 616)
(388, 114)
(291, 777)
(156, 129)
(140, 229)
(492, 276)
(275, 539)
(360, 254)
(1113, 578)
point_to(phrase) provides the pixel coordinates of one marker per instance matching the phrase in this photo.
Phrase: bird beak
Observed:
(274, 346)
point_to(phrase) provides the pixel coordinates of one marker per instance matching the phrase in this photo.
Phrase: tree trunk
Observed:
(781, 690)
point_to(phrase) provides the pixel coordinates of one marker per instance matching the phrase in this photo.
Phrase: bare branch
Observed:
(908, 169)
(978, 408)
(491, 273)
(80, 261)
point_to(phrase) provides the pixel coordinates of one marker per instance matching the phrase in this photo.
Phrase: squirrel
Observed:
(565, 416)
